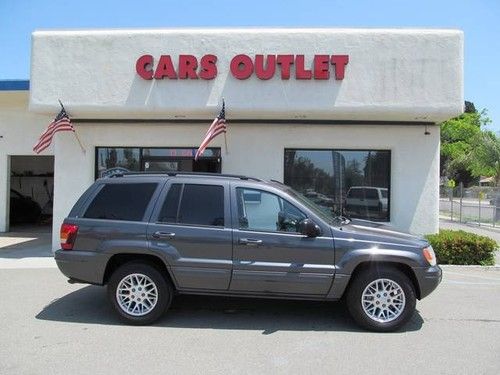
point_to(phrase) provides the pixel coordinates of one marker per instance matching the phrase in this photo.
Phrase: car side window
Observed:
(168, 213)
(113, 202)
(199, 205)
(371, 194)
(263, 211)
(355, 194)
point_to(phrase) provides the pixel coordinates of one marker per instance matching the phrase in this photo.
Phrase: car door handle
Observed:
(165, 235)
(250, 242)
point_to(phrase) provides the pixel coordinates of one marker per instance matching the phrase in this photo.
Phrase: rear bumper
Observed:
(82, 266)
(428, 279)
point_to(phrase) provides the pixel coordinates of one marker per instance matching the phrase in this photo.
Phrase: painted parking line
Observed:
(455, 282)
(497, 279)
(29, 262)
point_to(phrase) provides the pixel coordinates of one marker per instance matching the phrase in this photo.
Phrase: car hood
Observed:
(378, 232)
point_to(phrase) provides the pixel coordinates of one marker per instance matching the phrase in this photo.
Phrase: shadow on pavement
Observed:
(90, 305)
(26, 242)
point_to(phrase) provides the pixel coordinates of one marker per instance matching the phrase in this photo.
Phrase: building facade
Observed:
(348, 117)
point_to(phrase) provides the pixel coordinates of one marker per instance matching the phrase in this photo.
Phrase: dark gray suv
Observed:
(149, 237)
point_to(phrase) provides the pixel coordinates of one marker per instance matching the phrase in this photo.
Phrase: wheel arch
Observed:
(404, 268)
(343, 281)
(117, 260)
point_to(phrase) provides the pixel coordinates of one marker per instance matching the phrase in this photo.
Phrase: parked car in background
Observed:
(23, 209)
(367, 202)
(212, 234)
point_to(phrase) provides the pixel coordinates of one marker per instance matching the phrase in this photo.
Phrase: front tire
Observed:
(139, 293)
(381, 299)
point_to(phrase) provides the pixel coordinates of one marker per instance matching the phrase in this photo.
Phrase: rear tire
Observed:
(381, 299)
(139, 293)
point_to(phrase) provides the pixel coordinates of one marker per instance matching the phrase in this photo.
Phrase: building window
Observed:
(114, 160)
(355, 183)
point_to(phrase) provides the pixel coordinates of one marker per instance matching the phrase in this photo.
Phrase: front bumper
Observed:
(428, 279)
(82, 266)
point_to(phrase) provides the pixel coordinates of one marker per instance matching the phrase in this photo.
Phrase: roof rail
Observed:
(173, 174)
(277, 182)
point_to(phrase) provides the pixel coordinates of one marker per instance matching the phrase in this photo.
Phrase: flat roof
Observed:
(14, 85)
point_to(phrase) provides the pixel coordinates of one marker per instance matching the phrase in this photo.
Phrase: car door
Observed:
(191, 227)
(269, 255)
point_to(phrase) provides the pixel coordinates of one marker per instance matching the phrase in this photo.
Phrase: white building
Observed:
(320, 109)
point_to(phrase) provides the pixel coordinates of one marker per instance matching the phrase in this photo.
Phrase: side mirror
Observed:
(309, 228)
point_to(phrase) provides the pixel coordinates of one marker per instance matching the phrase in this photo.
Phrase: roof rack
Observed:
(173, 174)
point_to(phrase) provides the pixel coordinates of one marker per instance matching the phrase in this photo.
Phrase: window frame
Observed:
(389, 186)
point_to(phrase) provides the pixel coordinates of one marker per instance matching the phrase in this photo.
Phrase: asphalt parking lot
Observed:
(50, 326)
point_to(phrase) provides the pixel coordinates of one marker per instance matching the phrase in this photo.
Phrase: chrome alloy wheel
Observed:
(137, 294)
(383, 300)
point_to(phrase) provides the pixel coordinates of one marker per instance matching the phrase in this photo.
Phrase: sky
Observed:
(480, 21)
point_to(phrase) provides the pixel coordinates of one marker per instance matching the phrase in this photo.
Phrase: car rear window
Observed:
(121, 202)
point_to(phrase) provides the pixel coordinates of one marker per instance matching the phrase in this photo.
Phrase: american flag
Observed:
(59, 124)
(217, 127)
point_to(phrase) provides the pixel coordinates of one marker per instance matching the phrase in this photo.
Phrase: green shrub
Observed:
(459, 247)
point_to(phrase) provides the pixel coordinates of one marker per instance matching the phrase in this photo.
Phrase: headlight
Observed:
(430, 255)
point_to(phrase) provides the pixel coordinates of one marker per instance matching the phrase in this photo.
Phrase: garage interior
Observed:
(31, 193)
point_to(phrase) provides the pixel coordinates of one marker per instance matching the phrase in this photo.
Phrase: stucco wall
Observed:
(392, 74)
(258, 150)
(20, 130)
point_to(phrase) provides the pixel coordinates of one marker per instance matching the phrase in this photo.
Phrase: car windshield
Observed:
(323, 212)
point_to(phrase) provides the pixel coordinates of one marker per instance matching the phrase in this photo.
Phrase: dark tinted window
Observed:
(202, 205)
(121, 202)
(355, 193)
(371, 194)
(168, 213)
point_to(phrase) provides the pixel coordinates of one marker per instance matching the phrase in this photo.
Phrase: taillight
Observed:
(68, 236)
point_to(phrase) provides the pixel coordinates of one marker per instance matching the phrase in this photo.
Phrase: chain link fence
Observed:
(477, 205)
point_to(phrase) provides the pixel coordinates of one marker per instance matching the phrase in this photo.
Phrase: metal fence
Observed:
(478, 205)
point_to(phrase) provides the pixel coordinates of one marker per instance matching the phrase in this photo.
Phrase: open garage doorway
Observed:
(31, 193)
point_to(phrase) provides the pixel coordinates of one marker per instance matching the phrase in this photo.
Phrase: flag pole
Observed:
(80, 142)
(76, 134)
(225, 138)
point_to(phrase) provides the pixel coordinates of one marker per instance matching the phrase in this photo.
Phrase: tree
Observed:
(459, 136)
(484, 158)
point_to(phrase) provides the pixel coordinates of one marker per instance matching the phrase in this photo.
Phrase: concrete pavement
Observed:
(28, 249)
(50, 326)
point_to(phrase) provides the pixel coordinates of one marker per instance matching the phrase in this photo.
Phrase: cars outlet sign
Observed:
(243, 66)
